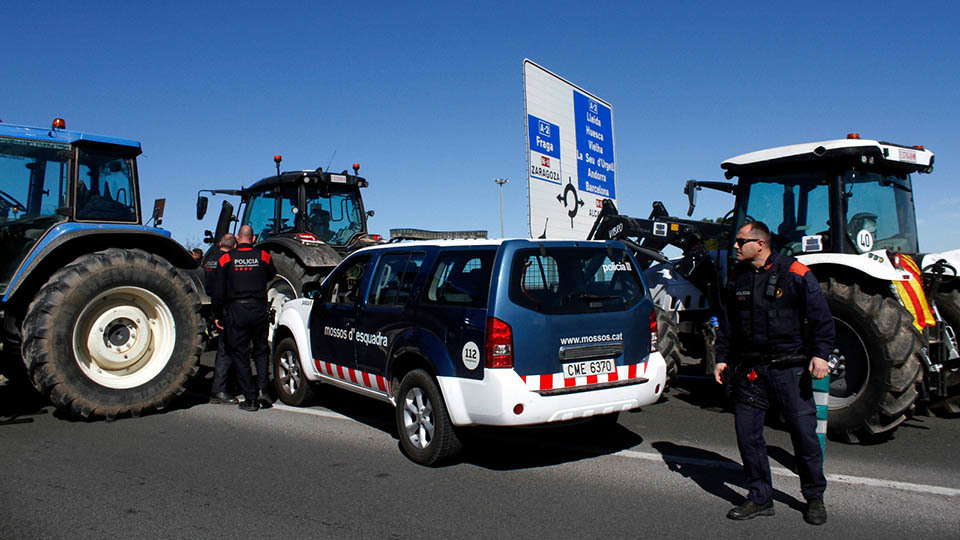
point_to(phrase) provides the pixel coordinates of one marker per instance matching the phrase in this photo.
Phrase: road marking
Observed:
(311, 412)
(666, 458)
(780, 471)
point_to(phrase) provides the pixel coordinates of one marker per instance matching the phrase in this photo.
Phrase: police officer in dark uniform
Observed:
(775, 334)
(221, 367)
(240, 300)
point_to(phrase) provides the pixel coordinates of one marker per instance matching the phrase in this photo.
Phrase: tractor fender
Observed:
(312, 255)
(952, 257)
(67, 241)
(875, 264)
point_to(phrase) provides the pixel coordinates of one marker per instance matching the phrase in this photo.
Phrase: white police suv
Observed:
(465, 333)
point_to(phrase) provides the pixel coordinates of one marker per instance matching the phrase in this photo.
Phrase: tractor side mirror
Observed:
(208, 236)
(158, 206)
(202, 203)
(370, 213)
(691, 190)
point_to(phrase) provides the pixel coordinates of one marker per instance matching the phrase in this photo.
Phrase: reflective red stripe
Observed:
(381, 382)
(591, 379)
(632, 371)
(546, 382)
(569, 382)
(613, 376)
(353, 375)
(366, 379)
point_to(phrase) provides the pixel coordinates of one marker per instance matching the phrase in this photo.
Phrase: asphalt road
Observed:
(334, 470)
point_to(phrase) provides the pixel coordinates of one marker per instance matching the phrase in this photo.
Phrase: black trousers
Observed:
(246, 335)
(790, 388)
(222, 366)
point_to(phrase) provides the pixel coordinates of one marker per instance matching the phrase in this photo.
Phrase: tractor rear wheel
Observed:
(114, 332)
(880, 345)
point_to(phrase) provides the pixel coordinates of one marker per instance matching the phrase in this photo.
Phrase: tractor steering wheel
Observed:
(9, 197)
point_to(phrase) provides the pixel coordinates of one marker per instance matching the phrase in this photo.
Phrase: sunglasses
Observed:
(744, 241)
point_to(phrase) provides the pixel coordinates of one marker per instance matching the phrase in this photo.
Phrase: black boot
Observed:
(250, 405)
(816, 513)
(750, 510)
(265, 400)
(222, 398)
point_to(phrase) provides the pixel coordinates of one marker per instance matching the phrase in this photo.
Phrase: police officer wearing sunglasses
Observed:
(775, 334)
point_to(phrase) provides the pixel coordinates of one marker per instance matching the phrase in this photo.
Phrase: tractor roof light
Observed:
(356, 169)
(853, 135)
(59, 123)
(277, 159)
(918, 146)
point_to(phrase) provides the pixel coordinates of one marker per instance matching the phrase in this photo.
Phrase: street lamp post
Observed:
(501, 182)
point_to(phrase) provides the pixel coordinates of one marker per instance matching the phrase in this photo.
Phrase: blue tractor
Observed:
(98, 311)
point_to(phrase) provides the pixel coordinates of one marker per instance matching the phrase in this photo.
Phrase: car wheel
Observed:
(426, 434)
(288, 379)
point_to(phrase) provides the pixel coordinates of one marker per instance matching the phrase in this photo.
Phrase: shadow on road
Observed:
(496, 448)
(504, 449)
(715, 473)
(19, 403)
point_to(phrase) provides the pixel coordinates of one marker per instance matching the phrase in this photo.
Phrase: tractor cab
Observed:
(52, 176)
(311, 206)
(849, 196)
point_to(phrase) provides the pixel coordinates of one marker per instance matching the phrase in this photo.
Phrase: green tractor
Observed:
(307, 220)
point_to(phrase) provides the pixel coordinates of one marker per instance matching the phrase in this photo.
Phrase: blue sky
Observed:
(428, 98)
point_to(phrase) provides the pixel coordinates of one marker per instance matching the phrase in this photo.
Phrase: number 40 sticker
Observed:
(470, 354)
(864, 240)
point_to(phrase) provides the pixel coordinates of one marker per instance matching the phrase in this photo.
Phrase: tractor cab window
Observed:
(260, 213)
(34, 183)
(796, 208)
(879, 212)
(289, 208)
(106, 188)
(333, 215)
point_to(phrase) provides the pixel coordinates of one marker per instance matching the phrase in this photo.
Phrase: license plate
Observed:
(588, 367)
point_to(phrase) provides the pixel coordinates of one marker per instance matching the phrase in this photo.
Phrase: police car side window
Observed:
(394, 279)
(460, 278)
(344, 284)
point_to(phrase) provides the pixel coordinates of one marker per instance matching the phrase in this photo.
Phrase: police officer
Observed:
(221, 367)
(240, 299)
(775, 333)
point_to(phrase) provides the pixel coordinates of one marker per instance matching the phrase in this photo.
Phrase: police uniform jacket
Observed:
(773, 312)
(242, 274)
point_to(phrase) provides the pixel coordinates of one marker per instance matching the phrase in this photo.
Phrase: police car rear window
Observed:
(574, 280)
(460, 278)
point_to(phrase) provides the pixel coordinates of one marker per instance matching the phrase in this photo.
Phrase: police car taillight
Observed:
(499, 346)
(653, 330)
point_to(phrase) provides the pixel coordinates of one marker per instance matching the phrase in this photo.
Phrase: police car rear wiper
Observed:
(587, 296)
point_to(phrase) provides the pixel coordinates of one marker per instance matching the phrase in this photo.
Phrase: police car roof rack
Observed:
(398, 235)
